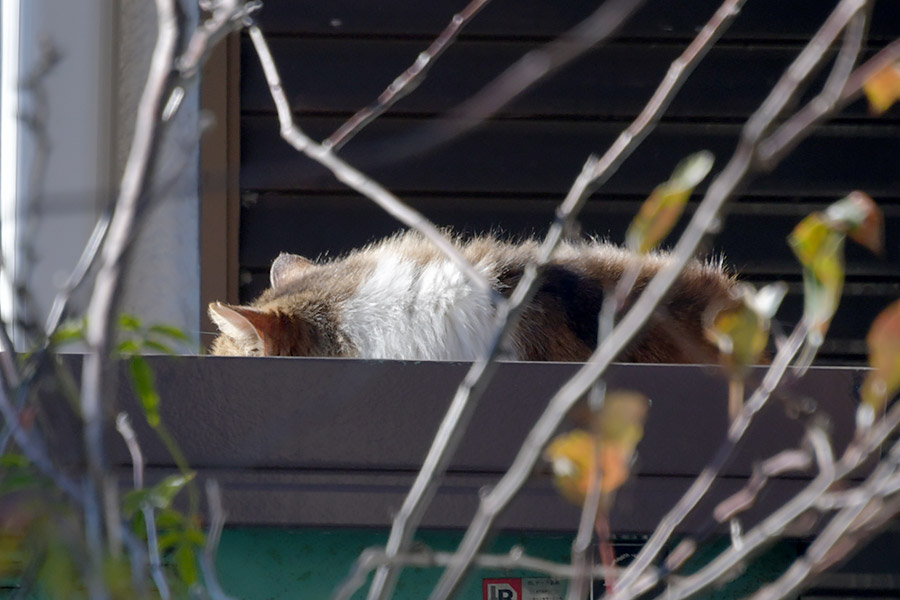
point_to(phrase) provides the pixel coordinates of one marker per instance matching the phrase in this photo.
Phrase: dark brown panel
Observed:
(544, 157)
(290, 413)
(760, 19)
(343, 75)
(752, 239)
(336, 442)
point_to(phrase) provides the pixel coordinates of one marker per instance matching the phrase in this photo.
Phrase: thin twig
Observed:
(407, 81)
(783, 140)
(516, 559)
(791, 460)
(734, 174)
(455, 422)
(517, 78)
(36, 452)
(106, 288)
(123, 426)
(854, 456)
(765, 532)
(680, 69)
(354, 178)
(594, 170)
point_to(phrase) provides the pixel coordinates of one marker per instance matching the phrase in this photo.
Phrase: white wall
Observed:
(105, 47)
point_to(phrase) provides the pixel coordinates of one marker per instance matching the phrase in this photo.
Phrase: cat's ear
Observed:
(288, 267)
(243, 323)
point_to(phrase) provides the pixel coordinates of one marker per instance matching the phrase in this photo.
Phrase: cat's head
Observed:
(291, 318)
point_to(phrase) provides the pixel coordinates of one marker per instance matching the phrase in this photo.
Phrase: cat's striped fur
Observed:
(401, 298)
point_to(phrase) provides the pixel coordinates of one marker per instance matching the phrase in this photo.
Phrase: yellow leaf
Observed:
(741, 332)
(820, 249)
(884, 357)
(572, 457)
(662, 209)
(618, 427)
(883, 88)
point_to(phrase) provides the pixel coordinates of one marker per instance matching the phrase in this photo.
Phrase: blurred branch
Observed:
(784, 462)
(783, 140)
(33, 448)
(455, 423)
(208, 556)
(407, 81)
(353, 178)
(517, 78)
(516, 559)
(139, 164)
(123, 426)
(706, 215)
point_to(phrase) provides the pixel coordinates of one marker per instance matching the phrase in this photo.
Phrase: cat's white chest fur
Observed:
(409, 310)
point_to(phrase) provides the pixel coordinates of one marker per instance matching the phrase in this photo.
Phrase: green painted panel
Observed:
(258, 563)
(261, 563)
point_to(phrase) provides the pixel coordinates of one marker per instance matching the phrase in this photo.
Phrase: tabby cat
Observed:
(401, 298)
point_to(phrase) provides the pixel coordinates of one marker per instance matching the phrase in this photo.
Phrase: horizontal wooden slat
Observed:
(344, 75)
(544, 157)
(762, 19)
(753, 237)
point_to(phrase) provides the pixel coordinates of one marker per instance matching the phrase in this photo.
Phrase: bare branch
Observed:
(106, 288)
(351, 176)
(783, 462)
(783, 140)
(520, 76)
(33, 448)
(734, 174)
(763, 533)
(407, 81)
(372, 558)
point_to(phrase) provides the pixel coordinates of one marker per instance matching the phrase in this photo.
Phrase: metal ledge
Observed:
(310, 442)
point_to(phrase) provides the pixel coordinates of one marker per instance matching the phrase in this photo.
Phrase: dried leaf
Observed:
(619, 426)
(860, 217)
(571, 455)
(884, 357)
(662, 209)
(883, 88)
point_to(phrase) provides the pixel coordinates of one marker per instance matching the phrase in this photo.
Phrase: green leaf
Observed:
(171, 332)
(144, 384)
(129, 348)
(11, 459)
(68, 332)
(159, 347)
(158, 496)
(820, 249)
(663, 208)
(741, 332)
(129, 322)
(186, 563)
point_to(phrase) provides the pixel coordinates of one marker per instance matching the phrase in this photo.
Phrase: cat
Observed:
(402, 298)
